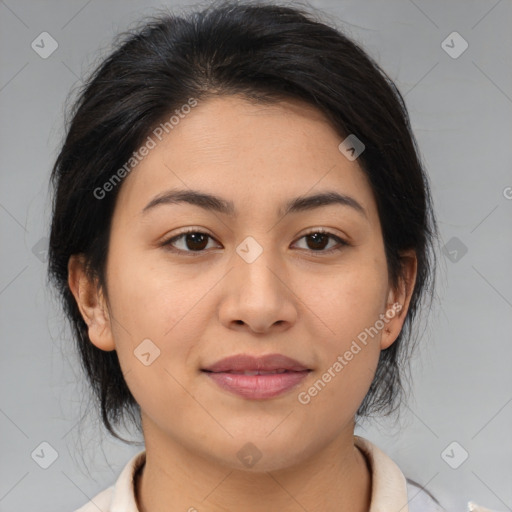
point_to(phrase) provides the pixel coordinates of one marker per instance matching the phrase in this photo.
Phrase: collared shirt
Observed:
(391, 492)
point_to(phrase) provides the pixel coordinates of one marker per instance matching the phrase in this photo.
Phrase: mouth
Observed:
(246, 363)
(254, 372)
(257, 378)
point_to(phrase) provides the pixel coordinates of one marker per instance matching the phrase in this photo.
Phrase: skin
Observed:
(198, 308)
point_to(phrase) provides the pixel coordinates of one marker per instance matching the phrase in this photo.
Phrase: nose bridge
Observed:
(257, 294)
(256, 269)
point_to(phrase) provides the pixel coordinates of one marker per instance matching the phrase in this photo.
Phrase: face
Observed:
(253, 278)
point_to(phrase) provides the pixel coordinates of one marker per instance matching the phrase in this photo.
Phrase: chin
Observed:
(258, 454)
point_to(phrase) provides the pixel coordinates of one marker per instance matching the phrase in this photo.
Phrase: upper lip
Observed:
(246, 362)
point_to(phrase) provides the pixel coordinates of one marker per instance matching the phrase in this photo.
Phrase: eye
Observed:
(194, 241)
(319, 239)
(191, 241)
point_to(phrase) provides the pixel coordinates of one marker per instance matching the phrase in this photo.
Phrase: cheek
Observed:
(348, 357)
(143, 287)
(147, 301)
(348, 305)
(348, 300)
(153, 312)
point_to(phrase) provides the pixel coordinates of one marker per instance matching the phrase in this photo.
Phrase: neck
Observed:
(336, 478)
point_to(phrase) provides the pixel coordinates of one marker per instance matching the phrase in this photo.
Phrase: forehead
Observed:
(249, 153)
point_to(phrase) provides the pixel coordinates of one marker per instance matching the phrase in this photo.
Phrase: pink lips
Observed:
(257, 377)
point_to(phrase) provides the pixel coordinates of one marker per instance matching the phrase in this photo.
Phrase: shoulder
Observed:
(100, 503)
(420, 500)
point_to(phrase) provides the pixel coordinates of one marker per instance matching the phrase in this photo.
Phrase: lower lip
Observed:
(258, 386)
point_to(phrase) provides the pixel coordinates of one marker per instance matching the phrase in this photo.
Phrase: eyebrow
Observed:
(211, 202)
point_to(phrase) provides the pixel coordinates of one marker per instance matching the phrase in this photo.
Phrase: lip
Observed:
(246, 362)
(229, 375)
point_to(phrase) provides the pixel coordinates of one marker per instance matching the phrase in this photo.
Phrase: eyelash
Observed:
(168, 243)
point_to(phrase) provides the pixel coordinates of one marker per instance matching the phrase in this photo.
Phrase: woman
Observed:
(242, 236)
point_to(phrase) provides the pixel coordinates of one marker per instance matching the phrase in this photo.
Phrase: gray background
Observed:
(461, 112)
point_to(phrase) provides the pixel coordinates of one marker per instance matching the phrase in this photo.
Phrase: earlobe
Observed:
(399, 299)
(91, 303)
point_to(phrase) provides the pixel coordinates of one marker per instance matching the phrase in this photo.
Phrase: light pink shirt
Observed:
(390, 490)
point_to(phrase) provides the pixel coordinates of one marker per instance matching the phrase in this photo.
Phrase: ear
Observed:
(91, 303)
(399, 299)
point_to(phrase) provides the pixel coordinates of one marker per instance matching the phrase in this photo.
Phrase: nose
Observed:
(258, 297)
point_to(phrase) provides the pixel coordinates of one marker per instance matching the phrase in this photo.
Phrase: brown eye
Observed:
(197, 242)
(190, 241)
(318, 240)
